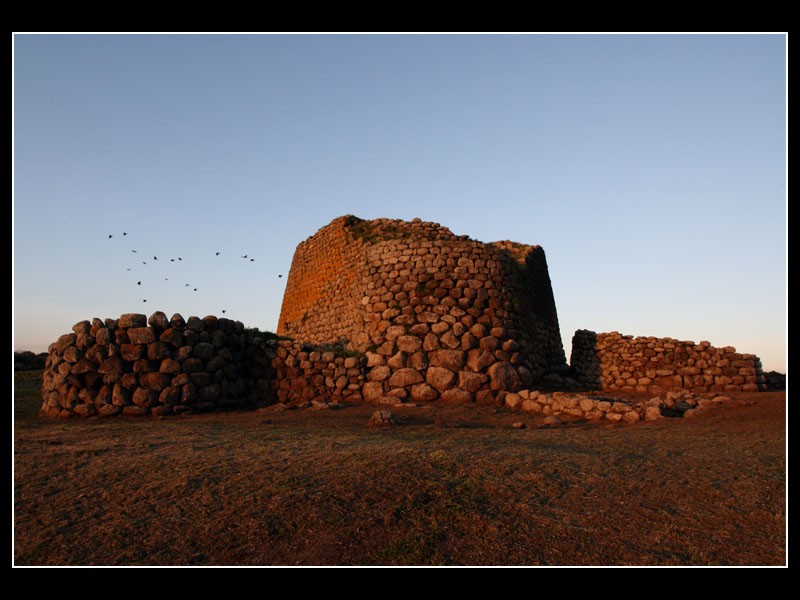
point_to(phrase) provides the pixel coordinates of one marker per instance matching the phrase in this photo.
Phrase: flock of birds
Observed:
(245, 257)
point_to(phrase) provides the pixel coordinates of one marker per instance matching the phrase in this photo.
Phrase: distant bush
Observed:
(28, 361)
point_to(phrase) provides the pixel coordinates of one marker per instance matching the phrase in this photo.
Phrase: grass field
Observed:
(451, 485)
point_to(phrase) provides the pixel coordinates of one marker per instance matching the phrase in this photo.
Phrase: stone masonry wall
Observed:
(135, 366)
(439, 316)
(612, 361)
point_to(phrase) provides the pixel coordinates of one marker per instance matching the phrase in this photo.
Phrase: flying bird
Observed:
(218, 253)
(127, 269)
(166, 278)
(144, 263)
(245, 256)
(187, 285)
(195, 289)
(124, 233)
(171, 260)
(110, 236)
(223, 311)
(280, 275)
(133, 250)
(145, 300)
(179, 258)
(155, 258)
(138, 283)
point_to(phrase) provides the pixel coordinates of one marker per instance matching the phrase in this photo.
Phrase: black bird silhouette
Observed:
(155, 258)
(138, 283)
(166, 278)
(171, 260)
(133, 250)
(127, 269)
(179, 258)
(245, 256)
(145, 300)
(124, 233)
(144, 263)
(252, 260)
(110, 236)
(187, 285)
(195, 289)
(217, 254)
(223, 311)
(280, 275)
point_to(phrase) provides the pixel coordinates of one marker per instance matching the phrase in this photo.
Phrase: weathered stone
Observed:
(448, 359)
(430, 343)
(652, 413)
(82, 367)
(134, 411)
(131, 352)
(85, 410)
(172, 336)
(372, 390)
(398, 361)
(177, 322)
(158, 320)
(374, 359)
(195, 324)
(203, 351)
(192, 365)
(379, 373)
(504, 376)
(479, 360)
(107, 410)
(418, 361)
(440, 378)
(132, 320)
(141, 335)
(120, 396)
(409, 343)
(188, 394)
(405, 377)
(457, 396)
(470, 381)
(513, 401)
(144, 397)
(169, 396)
(423, 393)
(114, 364)
(208, 393)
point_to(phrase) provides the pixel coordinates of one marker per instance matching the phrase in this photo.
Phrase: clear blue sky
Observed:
(651, 168)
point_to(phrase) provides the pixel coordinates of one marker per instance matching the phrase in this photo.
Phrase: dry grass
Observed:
(450, 486)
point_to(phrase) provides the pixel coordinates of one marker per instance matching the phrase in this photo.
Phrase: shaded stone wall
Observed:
(438, 315)
(135, 366)
(303, 373)
(612, 361)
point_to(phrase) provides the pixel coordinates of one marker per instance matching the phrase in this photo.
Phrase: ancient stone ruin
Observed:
(390, 312)
(649, 365)
(437, 315)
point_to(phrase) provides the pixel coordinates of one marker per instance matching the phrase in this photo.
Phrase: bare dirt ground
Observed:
(451, 485)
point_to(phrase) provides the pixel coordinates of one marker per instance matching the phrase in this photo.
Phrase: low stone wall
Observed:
(136, 366)
(675, 403)
(612, 361)
(305, 373)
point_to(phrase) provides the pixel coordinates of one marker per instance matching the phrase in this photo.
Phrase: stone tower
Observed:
(438, 315)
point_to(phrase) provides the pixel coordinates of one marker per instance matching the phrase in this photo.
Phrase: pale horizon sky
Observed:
(651, 168)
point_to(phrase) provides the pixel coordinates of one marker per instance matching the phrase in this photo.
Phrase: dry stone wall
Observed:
(439, 316)
(136, 366)
(612, 361)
